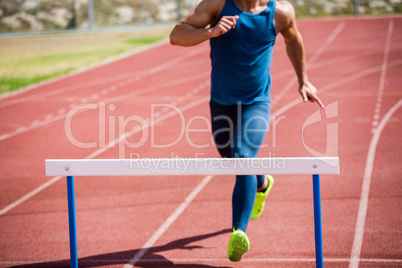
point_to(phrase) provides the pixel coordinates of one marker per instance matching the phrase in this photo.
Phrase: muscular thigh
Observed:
(251, 129)
(223, 121)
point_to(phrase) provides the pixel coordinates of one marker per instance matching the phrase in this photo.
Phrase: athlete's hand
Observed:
(309, 93)
(224, 25)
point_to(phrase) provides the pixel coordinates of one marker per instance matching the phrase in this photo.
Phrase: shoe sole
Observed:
(240, 245)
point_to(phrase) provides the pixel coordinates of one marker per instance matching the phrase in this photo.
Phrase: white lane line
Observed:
(159, 86)
(20, 129)
(279, 111)
(353, 77)
(162, 229)
(327, 42)
(270, 260)
(338, 83)
(114, 87)
(189, 106)
(94, 96)
(361, 216)
(82, 70)
(138, 129)
(331, 86)
(289, 105)
(206, 260)
(315, 56)
(30, 194)
(327, 62)
(38, 123)
(384, 68)
(33, 125)
(99, 151)
(119, 77)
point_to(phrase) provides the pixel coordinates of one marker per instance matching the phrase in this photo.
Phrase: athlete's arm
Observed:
(285, 23)
(195, 27)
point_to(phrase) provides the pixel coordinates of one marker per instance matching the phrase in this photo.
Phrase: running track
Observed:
(174, 221)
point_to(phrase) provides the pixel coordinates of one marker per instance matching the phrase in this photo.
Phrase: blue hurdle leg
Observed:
(71, 222)
(319, 258)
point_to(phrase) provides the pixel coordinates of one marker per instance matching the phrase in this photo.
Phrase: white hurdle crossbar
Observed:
(193, 166)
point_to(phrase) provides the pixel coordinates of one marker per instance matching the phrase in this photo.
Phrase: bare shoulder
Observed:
(205, 13)
(214, 6)
(284, 15)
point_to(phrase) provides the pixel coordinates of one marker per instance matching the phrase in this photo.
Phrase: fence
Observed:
(45, 15)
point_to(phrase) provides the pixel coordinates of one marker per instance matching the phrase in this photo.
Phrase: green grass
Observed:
(142, 41)
(8, 84)
(30, 60)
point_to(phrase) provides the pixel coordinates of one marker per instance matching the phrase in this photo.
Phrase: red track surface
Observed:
(355, 64)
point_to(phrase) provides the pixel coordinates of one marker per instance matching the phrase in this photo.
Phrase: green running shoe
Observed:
(238, 245)
(260, 199)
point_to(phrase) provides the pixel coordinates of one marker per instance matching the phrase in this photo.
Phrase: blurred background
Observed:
(45, 15)
(44, 39)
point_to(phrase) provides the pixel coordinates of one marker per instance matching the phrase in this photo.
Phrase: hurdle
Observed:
(314, 166)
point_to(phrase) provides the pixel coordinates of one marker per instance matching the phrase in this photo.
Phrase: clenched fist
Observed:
(224, 25)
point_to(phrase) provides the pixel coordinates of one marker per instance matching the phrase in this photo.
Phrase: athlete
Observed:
(242, 35)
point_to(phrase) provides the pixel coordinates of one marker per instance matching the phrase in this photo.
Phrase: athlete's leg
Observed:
(223, 122)
(250, 131)
(238, 131)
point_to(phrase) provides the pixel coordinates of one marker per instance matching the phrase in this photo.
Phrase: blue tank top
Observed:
(241, 59)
